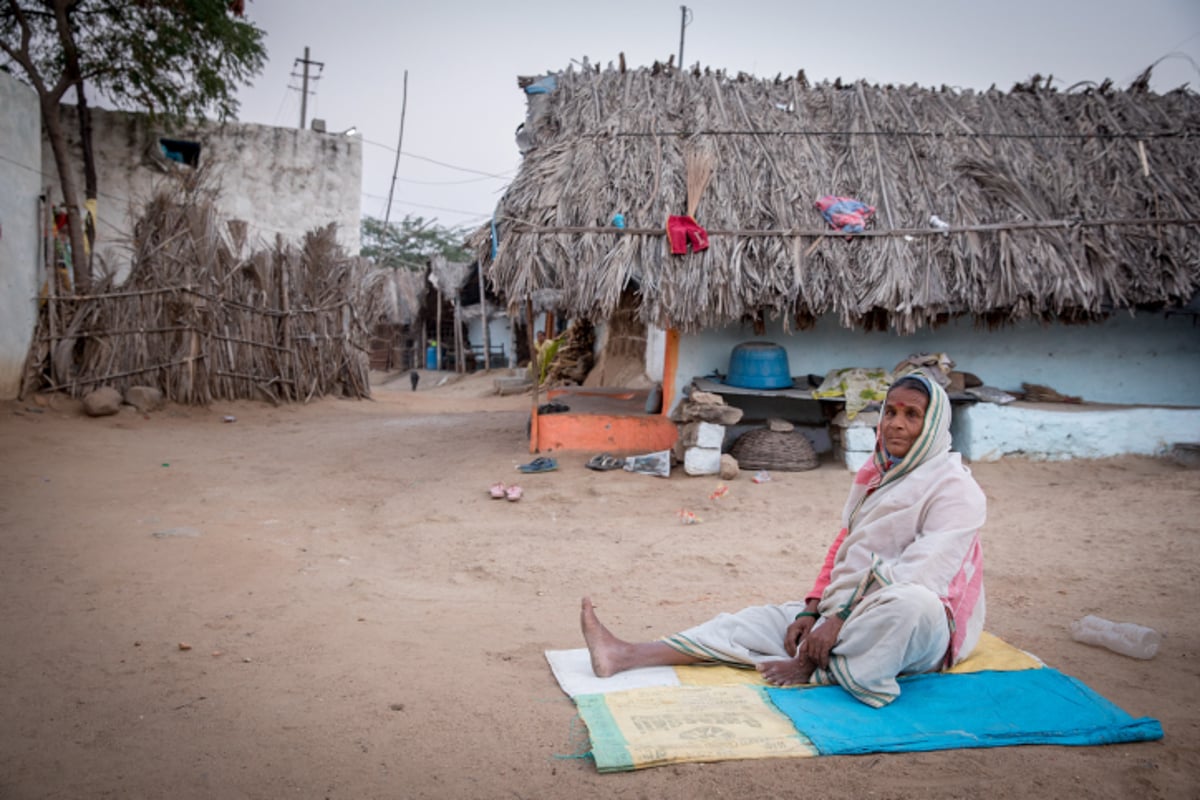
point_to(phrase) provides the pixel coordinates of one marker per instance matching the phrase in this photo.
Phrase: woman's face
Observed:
(903, 418)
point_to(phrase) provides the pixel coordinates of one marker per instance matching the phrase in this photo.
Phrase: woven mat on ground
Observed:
(999, 696)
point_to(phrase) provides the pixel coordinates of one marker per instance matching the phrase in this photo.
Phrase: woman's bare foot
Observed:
(606, 650)
(791, 672)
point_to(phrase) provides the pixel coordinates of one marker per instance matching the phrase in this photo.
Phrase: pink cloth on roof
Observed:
(845, 213)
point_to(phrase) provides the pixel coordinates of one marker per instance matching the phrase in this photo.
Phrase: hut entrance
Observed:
(622, 360)
(611, 412)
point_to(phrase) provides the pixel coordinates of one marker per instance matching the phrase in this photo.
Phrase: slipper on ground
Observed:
(497, 491)
(605, 462)
(513, 493)
(540, 464)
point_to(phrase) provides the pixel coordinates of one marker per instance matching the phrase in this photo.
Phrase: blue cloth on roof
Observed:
(982, 709)
(544, 85)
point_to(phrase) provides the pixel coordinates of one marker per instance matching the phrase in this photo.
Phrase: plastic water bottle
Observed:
(1126, 638)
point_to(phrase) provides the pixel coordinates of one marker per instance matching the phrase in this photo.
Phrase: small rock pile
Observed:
(106, 400)
(702, 419)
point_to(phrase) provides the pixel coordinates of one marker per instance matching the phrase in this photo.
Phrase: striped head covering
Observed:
(933, 440)
(882, 469)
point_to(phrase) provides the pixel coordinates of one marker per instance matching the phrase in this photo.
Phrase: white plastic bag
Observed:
(657, 464)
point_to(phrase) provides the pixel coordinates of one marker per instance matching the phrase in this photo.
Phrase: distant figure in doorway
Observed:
(415, 377)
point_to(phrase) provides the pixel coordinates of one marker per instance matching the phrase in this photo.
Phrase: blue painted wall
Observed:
(1143, 359)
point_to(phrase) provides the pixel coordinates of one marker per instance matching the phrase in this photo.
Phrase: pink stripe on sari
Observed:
(962, 595)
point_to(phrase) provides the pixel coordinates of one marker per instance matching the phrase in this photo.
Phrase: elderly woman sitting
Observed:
(901, 591)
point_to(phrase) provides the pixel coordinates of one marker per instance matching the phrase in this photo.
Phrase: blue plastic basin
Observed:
(759, 365)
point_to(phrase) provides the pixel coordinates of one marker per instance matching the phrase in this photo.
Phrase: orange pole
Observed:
(670, 367)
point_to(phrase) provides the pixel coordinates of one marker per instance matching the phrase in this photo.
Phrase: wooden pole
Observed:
(396, 169)
(51, 281)
(460, 361)
(487, 334)
(533, 414)
(438, 330)
(286, 322)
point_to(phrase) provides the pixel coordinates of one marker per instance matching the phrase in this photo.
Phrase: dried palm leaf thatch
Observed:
(1061, 205)
(403, 293)
(201, 321)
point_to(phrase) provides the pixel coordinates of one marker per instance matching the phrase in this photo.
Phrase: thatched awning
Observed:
(403, 292)
(1062, 205)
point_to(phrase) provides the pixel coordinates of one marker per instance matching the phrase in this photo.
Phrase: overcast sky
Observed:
(463, 59)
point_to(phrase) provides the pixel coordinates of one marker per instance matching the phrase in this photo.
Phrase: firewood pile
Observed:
(575, 357)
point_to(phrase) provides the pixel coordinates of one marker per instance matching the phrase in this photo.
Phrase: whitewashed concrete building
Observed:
(280, 181)
(20, 188)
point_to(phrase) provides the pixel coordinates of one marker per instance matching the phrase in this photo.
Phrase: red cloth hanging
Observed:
(682, 231)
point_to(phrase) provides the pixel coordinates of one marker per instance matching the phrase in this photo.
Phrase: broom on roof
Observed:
(698, 165)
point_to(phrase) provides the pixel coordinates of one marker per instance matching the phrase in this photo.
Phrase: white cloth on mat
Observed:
(573, 671)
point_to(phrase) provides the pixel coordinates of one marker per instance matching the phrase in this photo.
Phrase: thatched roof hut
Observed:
(1062, 204)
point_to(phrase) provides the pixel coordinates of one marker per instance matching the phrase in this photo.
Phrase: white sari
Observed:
(907, 579)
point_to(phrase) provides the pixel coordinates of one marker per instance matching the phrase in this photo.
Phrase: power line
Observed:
(496, 175)
(464, 212)
(447, 183)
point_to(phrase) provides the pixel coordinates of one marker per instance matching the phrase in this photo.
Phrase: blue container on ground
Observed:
(759, 365)
(431, 357)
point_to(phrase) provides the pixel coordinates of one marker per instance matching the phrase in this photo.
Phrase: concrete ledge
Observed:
(1052, 432)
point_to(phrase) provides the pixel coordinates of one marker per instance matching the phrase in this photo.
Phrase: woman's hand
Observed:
(796, 632)
(819, 642)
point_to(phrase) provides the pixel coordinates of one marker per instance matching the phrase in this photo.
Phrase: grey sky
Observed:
(463, 59)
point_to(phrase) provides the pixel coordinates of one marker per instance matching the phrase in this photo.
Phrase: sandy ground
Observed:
(364, 621)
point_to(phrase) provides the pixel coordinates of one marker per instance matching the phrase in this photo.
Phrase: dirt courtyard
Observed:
(361, 620)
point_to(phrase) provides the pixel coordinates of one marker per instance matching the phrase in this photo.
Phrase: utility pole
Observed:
(387, 215)
(320, 65)
(685, 19)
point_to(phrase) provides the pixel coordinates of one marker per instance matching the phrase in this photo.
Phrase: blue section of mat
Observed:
(984, 709)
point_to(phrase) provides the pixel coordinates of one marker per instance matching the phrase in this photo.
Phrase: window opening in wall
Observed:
(181, 151)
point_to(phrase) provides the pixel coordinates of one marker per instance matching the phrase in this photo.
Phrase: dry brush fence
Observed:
(203, 319)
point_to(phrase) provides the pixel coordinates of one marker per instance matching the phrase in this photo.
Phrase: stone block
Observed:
(702, 461)
(707, 398)
(702, 434)
(854, 459)
(704, 412)
(858, 439)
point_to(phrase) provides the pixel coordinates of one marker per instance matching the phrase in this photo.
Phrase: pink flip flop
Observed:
(497, 491)
(514, 493)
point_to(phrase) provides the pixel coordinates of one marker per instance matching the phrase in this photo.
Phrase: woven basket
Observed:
(785, 451)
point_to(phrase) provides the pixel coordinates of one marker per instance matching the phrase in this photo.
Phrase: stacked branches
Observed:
(202, 319)
(1063, 205)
